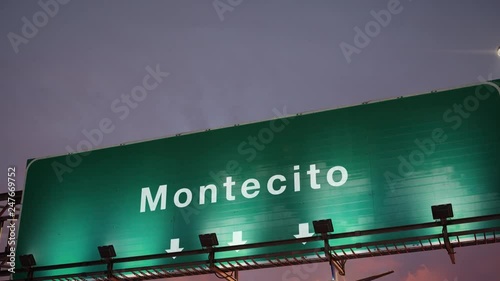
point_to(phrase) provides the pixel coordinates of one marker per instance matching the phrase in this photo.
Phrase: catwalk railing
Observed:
(330, 252)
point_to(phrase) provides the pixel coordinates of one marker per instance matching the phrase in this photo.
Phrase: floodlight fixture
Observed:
(27, 260)
(498, 51)
(208, 240)
(323, 226)
(442, 212)
(107, 252)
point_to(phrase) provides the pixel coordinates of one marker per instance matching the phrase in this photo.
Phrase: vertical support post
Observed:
(218, 272)
(109, 269)
(447, 243)
(339, 265)
(30, 273)
(211, 256)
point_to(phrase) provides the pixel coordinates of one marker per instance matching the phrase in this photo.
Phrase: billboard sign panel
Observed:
(370, 166)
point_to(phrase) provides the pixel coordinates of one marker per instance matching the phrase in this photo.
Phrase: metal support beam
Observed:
(225, 275)
(211, 257)
(109, 269)
(30, 274)
(447, 243)
(232, 276)
(17, 196)
(4, 208)
(338, 264)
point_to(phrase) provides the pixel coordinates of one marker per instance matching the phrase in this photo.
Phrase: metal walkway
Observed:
(337, 255)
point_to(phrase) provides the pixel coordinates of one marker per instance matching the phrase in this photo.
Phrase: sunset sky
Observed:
(233, 62)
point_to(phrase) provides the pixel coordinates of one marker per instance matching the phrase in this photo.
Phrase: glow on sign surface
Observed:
(368, 166)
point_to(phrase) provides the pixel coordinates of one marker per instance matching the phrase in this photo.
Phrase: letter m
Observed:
(147, 197)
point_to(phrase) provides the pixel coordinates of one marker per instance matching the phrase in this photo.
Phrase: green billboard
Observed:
(375, 165)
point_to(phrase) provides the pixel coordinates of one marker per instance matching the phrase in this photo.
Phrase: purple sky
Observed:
(234, 66)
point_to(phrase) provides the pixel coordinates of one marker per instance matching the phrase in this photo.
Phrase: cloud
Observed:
(424, 274)
(361, 268)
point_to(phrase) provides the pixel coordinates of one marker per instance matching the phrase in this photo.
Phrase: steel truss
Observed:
(336, 255)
